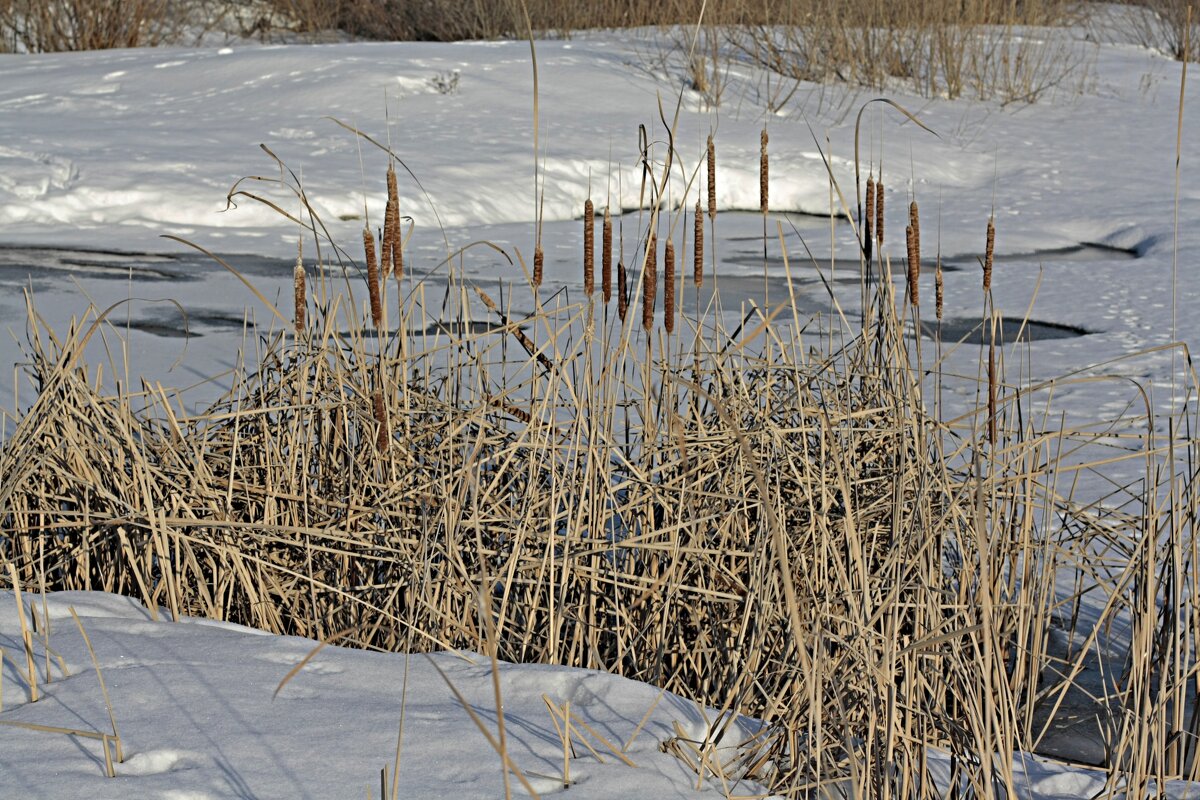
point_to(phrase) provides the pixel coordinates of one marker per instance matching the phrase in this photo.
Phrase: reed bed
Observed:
(774, 528)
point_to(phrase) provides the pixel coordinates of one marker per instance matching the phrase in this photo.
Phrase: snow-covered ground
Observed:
(103, 153)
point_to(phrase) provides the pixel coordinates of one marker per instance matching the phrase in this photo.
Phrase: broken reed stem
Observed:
(622, 291)
(762, 173)
(879, 213)
(868, 223)
(589, 248)
(26, 636)
(606, 258)
(698, 248)
(393, 245)
(913, 235)
(383, 435)
(649, 283)
(299, 282)
(989, 254)
(373, 278)
(712, 179)
(539, 261)
(669, 287)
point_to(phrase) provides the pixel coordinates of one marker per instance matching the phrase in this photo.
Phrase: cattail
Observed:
(385, 243)
(698, 249)
(870, 218)
(762, 173)
(539, 261)
(879, 213)
(589, 248)
(383, 436)
(992, 391)
(939, 289)
(989, 254)
(649, 283)
(914, 295)
(606, 258)
(373, 278)
(394, 243)
(299, 281)
(712, 179)
(622, 291)
(669, 287)
(913, 235)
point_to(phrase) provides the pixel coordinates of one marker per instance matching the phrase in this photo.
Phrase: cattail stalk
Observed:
(989, 254)
(712, 179)
(539, 262)
(383, 435)
(622, 291)
(299, 281)
(373, 278)
(649, 283)
(698, 248)
(913, 235)
(606, 258)
(669, 287)
(762, 173)
(589, 248)
(868, 223)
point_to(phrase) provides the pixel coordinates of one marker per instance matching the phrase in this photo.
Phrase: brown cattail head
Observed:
(373, 278)
(383, 435)
(622, 291)
(762, 173)
(394, 242)
(385, 243)
(914, 273)
(606, 258)
(698, 248)
(649, 283)
(879, 212)
(913, 237)
(539, 262)
(669, 287)
(989, 254)
(712, 179)
(589, 248)
(939, 290)
(869, 222)
(298, 282)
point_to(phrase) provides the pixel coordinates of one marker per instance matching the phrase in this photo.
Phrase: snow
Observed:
(103, 153)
